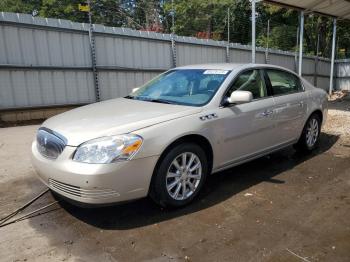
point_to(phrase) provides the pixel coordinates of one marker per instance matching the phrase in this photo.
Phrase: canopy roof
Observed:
(335, 8)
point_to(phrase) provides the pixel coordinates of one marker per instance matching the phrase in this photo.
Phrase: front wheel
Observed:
(180, 175)
(310, 135)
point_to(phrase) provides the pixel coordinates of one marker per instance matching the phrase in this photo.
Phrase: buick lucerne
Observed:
(167, 136)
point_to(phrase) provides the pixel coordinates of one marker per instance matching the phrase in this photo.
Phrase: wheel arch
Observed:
(317, 112)
(198, 139)
(301, 143)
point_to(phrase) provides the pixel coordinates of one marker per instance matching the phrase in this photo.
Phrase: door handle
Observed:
(266, 113)
(301, 103)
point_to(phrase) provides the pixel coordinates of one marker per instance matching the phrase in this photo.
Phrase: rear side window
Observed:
(283, 82)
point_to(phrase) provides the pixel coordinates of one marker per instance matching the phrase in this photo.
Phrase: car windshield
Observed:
(193, 87)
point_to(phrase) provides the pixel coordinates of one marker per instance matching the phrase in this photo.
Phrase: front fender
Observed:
(158, 137)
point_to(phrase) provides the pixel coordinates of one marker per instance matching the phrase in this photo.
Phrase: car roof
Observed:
(219, 66)
(232, 66)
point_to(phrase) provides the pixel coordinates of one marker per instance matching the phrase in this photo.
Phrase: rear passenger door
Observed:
(290, 104)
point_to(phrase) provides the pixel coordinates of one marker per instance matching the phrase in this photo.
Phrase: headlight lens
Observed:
(108, 149)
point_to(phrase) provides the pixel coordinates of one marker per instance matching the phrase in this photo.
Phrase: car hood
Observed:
(113, 117)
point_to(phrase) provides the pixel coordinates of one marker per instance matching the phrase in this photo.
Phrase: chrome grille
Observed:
(49, 143)
(79, 192)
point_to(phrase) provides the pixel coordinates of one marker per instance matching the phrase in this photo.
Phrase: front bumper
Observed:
(94, 183)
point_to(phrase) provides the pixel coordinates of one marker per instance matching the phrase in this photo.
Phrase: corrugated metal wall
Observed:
(43, 66)
(47, 62)
(128, 62)
(343, 74)
(197, 54)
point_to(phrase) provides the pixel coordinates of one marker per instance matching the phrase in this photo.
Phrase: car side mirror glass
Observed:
(240, 97)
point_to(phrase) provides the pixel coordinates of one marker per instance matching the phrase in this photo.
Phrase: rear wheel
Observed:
(310, 135)
(180, 175)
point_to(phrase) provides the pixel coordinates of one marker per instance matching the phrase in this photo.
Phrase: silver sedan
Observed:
(167, 136)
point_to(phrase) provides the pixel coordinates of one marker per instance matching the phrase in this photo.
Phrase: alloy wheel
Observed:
(183, 176)
(312, 132)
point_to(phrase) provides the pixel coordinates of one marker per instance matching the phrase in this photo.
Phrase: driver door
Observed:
(247, 129)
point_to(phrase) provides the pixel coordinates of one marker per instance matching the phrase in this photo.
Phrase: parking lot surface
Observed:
(282, 207)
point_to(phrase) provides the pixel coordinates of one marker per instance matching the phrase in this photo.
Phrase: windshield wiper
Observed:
(155, 100)
(160, 101)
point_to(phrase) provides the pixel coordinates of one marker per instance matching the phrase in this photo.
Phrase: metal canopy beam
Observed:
(333, 56)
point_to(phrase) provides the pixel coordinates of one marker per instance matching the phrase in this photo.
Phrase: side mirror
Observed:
(135, 89)
(240, 97)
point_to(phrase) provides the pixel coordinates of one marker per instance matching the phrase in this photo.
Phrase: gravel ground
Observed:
(339, 117)
(276, 208)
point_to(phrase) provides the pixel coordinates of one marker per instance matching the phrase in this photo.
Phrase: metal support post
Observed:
(301, 32)
(93, 55)
(173, 46)
(173, 51)
(253, 31)
(296, 52)
(333, 56)
(267, 42)
(228, 37)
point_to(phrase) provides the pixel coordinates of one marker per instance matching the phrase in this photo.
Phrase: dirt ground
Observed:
(283, 207)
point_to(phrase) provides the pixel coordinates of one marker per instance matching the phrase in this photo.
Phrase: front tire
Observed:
(180, 175)
(309, 138)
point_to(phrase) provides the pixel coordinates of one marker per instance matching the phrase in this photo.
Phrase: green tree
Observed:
(20, 6)
(63, 9)
(193, 16)
(343, 33)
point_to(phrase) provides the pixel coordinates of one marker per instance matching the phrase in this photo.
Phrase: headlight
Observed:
(108, 149)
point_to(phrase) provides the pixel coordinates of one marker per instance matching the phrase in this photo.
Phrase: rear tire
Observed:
(180, 175)
(309, 138)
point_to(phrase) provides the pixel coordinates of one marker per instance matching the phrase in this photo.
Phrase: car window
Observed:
(283, 82)
(252, 81)
(193, 87)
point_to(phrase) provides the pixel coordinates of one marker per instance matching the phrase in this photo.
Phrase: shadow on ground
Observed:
(218, 188)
